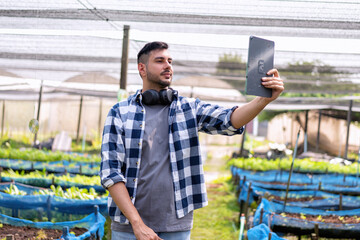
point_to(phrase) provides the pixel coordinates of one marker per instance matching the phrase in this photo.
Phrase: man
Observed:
(151, 161)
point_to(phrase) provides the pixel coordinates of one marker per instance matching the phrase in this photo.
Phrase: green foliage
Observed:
(70, 193)
(31, 154)
(303, 165)
(41, 176)
(6, 142)
(268, 115)
(218, 219)
(315, 95)
(13, 190)
(316, 66)
(230, 64)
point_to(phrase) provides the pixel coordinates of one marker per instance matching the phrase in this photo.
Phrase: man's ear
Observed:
(142, 69)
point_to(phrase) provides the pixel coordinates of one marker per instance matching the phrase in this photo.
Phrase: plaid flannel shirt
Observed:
(122, 141)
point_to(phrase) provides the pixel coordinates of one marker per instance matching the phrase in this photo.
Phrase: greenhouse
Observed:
(64, 64)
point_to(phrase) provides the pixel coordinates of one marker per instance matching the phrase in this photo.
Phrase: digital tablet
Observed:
(260, 61)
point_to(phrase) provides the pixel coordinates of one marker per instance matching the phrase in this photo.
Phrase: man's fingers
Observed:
(275, 72)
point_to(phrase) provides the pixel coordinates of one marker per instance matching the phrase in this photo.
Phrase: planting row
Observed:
(323, 205)
(43, 179)
(63, 166)
(305, 165)
(31, 154)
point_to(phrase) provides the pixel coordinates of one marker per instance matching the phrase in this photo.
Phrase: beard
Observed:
(157, 80)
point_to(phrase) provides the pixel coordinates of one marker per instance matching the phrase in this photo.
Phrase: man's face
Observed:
(159, 68)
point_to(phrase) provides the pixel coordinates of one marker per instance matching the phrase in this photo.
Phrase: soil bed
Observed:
(325, 219)
(25, 233)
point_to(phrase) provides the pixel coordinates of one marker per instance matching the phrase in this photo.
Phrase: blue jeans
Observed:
(184, 235)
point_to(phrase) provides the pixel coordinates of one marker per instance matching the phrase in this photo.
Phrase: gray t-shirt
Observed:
(155, 193)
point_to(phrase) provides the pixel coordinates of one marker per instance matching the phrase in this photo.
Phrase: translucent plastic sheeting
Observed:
(94, 223)
(282, 176)
(56, 167)
(261, 232)
(329, 201)
(278, 223)
(279, 208)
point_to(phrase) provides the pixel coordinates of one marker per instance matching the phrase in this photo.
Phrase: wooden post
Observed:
(79, 120)
(247, 202)
(318, 132)
(316, 228)
(305, 131)
(243, 142)
(348, 128)
(340, 201)
(261, 215)
(124, 57)
(239, 188)
(96, 211)
(99, 121)
(269, 238)
(319, 188)
(357, 169)
(291, 170)
(38, 110)
(48, 206)
(269, 220)
(3, 118)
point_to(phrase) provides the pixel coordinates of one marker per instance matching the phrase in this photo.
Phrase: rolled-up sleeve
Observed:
(112, 150)
(214, 119)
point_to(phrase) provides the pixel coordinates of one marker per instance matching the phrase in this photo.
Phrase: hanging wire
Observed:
(97, 13)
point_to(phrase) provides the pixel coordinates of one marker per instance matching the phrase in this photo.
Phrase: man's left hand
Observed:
(274, 82)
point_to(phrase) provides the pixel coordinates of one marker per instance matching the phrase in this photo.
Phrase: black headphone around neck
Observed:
(153, 97)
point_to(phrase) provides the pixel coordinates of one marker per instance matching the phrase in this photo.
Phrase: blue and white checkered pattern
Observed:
(122, 141)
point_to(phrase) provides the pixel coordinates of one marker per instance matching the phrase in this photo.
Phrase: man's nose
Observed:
(168, 65)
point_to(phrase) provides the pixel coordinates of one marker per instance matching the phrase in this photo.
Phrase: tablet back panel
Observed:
(260, 61)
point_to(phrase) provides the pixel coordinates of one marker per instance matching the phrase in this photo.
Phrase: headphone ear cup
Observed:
(150, 97)
(166, 96)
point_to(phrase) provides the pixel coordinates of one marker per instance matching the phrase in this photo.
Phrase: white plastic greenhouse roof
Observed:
(57, 40)
(43, 37)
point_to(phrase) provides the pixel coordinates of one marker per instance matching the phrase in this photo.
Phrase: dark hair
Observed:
(148, 48)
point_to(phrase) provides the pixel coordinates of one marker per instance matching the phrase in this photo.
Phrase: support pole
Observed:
(66, 233)
(291, 170)
(318, 132)
(79, 120)
(247, 202)
(124, 57)
(357, 169)
(243, 142)
(348, 128)
(340, 201)
(3, 118)
(99, 122)
(305, 130)
(38, 110)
